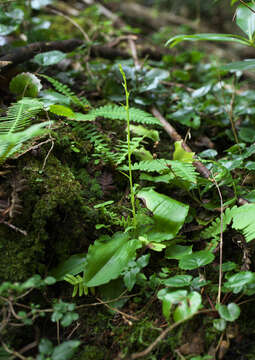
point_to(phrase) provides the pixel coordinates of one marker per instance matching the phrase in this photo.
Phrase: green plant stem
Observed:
(129, 147)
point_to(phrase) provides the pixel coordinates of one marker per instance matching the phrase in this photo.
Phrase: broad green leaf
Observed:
(188, 307)
(62, 110)
(207, 37)
(248, 64)
(240, 279)
(177, 251)
(245, 19)
(168, 214)
(73, 266)
(219, 324)
(49, 58)
(230, 312)
(195, 260)
(65, 351)
(182, 155)
(106, 260)
(25, 84)
(178, 281)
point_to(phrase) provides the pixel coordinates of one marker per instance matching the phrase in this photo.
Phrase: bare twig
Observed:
(85, 35)
(14, 227)
(118, 311)
(221, 239)
(12, 352)
(134, 53)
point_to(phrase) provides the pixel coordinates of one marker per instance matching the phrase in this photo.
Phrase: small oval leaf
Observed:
(195, 260)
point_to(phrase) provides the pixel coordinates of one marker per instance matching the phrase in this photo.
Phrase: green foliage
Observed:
(65, 90)
(14, 130)
(64, 312)
(242, 219)
(187, 303)
(229, 312)
(64, 351)
(25, 84)
(106, 259)
(196, 260)
(49, 58)
(115, 112)
(169, 214)
(204, 99)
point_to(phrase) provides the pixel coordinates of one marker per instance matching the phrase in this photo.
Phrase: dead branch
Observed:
(25, 53)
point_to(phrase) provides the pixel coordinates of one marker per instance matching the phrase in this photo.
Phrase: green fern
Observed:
(99, 141)
(242, 218)
(213, 231)
(185, 171)
(13, 132)
(122, 149)
(65, 90)
(116, 112)
(155, 165)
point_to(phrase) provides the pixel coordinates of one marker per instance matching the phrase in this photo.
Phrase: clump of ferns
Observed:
(16, 128)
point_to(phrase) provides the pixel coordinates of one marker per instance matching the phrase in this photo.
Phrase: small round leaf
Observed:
(230, 312)
(195, 260)
(25, 84)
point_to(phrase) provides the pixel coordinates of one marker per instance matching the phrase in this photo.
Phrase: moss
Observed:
(54, 215)
(92, 352)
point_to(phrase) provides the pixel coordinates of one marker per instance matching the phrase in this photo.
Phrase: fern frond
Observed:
(19, 115)
(65, 90)
(11, 143)
(214, 230)
(116, 112)
(184, 170)
(99, 141)
(122, 149)
(244, 220)
(12, 127)
(157, 165)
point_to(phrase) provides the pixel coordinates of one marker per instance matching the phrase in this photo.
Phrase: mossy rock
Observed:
(55, 216)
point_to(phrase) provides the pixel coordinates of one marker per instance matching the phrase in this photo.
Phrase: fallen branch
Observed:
(25, 53)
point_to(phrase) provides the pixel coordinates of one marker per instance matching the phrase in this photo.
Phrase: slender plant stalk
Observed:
(129, 148)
